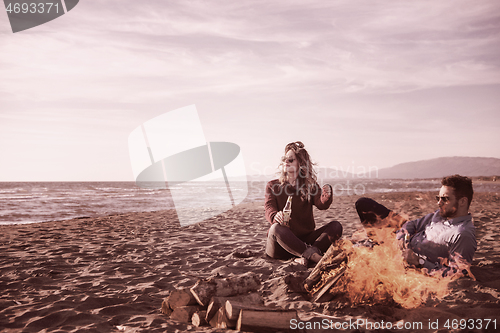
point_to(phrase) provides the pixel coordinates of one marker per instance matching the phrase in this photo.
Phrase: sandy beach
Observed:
(110, 274)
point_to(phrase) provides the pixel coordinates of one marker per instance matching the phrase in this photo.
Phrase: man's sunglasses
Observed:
(444, 199)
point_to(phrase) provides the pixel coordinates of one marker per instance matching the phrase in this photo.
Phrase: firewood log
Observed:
(218, 301)
(181, 297)
(184, 313)
(165, 308)
(220, 320)
(331, 278)
(205, 289)
(233, 308)
(333, 257)
(198, 318)
(262, 321)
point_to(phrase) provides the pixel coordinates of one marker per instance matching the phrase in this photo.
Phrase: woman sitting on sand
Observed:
(299, 239)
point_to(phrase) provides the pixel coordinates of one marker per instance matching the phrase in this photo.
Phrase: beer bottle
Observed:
(287, 211)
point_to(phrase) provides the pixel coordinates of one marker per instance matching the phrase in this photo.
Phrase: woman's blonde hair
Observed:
(306, 178)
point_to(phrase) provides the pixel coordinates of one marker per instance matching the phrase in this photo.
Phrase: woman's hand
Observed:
(278, 218)
(327, 191)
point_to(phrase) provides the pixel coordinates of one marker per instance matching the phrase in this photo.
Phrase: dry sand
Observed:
(110, 274)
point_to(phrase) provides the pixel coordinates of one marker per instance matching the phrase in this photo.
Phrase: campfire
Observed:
(375, 276)
(378, 274)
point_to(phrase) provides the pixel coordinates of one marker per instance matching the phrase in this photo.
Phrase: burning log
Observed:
(205, 289)
(332, 259)
(328, 280)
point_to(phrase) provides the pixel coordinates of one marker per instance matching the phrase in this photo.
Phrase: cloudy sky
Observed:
(361, 83)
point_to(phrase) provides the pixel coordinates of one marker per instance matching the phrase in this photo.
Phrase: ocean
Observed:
(31, 202)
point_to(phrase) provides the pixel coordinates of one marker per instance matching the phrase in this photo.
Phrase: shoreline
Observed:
(34, 203)
(112, 272)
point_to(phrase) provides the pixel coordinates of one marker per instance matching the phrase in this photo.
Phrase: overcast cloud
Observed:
(360, 83)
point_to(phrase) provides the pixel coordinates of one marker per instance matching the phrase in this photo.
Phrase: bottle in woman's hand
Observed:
(287, 211)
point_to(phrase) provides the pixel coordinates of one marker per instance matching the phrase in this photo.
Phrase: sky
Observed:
(360, 83)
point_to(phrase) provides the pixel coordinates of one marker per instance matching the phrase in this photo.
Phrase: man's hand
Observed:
(403, 239)
(411, 258)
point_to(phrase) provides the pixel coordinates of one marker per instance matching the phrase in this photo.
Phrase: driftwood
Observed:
(184, 313)
(198, 318)
(262, 321)
(205, 289)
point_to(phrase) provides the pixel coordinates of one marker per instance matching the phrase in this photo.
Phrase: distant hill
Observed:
(434, 168)
(443, 166)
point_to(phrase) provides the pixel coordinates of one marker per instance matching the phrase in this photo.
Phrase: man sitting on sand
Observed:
(438, 238)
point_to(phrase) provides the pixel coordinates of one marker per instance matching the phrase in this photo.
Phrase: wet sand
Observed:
(110, 274)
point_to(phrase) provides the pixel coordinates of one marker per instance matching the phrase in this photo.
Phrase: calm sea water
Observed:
(29, 202)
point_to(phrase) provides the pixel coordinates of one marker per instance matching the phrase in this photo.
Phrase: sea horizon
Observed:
(43, 201)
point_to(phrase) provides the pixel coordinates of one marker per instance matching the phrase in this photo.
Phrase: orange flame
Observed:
(380, 275)
(456, 268)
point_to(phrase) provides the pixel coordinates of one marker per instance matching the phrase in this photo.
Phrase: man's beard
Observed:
(449, 213)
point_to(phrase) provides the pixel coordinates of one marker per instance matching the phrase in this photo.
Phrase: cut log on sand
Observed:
(265, 321)
(219, 301)
(177, 298)
(220, 320)
(181, 297)
(184, 313)
(205, 289)
(233, 308)
(165, 308)
(198, 318)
